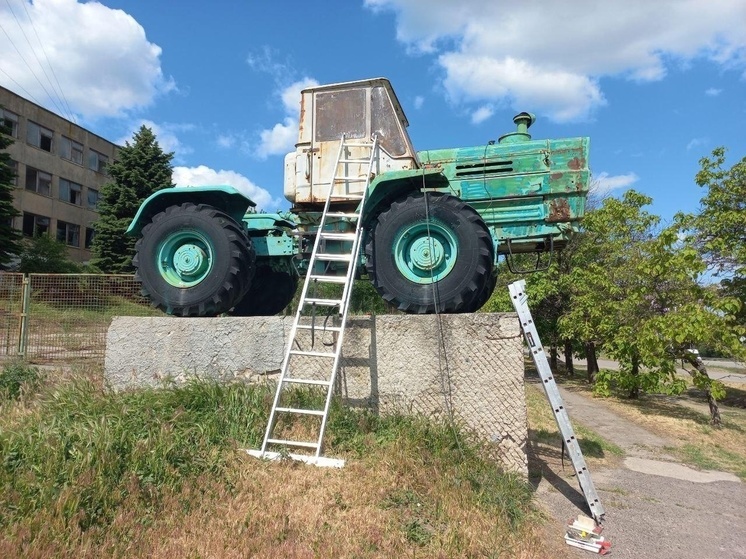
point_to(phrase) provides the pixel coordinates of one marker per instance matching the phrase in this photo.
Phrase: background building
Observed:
(60, 169)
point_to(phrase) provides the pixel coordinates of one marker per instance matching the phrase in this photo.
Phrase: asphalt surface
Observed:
(655, 507)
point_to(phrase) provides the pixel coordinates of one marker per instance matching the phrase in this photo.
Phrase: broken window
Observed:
(340, 112)
(39, 136)
(38, 181)
(71, 192)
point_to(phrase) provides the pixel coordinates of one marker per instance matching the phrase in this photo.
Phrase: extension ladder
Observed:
(520, 302)
(338, 251)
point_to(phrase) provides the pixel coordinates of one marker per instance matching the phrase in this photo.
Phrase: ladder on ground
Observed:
(336, 253)
(520, 302)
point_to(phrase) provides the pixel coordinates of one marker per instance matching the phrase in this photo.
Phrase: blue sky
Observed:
(655, 84)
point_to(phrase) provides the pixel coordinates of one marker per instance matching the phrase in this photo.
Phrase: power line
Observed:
(51, 97)
(59, 85)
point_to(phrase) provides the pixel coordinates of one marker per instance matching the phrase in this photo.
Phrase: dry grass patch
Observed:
(158, 474)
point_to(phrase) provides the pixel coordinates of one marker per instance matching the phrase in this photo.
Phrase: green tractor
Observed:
(434, 222)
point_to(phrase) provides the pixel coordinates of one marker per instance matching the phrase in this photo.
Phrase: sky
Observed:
(655, 84)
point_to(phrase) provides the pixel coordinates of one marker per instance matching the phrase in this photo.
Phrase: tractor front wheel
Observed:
(430, 253)
(194, 261)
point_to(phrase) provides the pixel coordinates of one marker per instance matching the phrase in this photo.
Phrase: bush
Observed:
(16, 378)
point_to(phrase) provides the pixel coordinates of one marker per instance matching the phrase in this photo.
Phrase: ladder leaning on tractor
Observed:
(347, 259)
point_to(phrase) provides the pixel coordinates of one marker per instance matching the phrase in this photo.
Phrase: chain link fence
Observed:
(63, 318)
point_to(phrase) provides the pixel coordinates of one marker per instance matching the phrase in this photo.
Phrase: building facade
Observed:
(60, 169)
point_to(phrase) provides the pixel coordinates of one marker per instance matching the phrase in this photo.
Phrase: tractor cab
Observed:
(357, 110)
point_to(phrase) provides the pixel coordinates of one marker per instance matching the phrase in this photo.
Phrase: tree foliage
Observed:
(141, 169)
(721, 223)
(45, 255)
(10, 238)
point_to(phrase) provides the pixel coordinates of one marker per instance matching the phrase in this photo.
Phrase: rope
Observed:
(446, 384)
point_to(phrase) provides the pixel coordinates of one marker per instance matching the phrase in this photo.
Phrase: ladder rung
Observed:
(308, 381)
(334, 257)
(319, 328)
(338, 236)
(293, 443)
(337, 197)
(361, 161)
(322, 302)
(358, 144)
(330, 279)
(312, 353)
(350, 179)
(300, 411)
(350, 215)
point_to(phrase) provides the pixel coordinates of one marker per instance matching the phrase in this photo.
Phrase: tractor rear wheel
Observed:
(429, 253)
(271, 291)
(194, 261)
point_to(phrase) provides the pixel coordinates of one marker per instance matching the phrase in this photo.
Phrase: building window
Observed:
(68, 233)
(9, 122)
(38, 181)
(97, 161)
(71, 192)
(14, 169)
(39, 136)
(35, 225)
(72, 150)
(93, 197)
(89, 234)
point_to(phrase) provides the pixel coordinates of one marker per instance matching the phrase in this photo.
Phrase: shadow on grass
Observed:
(542, 463)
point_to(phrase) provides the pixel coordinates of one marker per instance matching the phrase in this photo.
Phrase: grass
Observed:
(685, 420)
(87, 473)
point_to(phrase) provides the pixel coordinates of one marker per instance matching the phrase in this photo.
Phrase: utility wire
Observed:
(56, 79)
(52, 98)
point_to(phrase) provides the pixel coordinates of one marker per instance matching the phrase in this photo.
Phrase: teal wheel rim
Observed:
(185, 258)
(425, 253)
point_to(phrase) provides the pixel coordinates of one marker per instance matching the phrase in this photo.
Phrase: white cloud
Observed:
(95, 61)
(697, 142)
(549, 55)
(482, 113)
(205, 176)
(165, 135)
(604, 183)
(418, 102)
(713, 92)
(281, 138)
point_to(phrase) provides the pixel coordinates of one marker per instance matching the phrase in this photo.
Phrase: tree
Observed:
(45, 255)
(10, 238)
(721, 223)
(641, 293)
(141, 169)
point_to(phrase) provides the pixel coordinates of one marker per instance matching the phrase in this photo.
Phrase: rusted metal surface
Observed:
(559, 210)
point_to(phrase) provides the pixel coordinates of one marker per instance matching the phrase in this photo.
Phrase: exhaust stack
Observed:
(523, 121)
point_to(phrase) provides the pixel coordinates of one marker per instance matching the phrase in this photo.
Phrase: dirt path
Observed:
(655, 507)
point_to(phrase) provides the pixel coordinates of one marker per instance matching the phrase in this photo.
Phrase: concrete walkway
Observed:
(655, 507)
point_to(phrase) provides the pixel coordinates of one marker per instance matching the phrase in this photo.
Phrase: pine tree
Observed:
(140, 169)
(10, 239)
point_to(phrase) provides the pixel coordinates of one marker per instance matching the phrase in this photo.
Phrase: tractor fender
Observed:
(224, 198)
(396, 184)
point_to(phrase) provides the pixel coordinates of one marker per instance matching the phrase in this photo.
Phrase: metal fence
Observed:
(56, 318)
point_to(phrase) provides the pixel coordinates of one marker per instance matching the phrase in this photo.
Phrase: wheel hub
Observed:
(185, 258)
(190, 260)
(425, 253)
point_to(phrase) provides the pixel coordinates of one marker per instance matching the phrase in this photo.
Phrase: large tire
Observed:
(194, 261)
(271, 291)
(402, 269)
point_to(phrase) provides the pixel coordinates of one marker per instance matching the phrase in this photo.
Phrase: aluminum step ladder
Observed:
(336, 254)
(520, 302)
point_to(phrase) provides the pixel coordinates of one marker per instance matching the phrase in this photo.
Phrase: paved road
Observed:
(654, 506)
(714, 369)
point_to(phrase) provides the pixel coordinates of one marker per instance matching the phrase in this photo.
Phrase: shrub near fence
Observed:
(51, 318)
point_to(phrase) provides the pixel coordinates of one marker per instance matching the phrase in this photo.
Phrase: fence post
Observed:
(23, 334)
